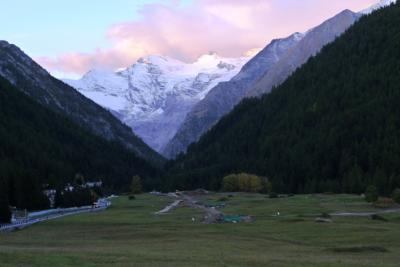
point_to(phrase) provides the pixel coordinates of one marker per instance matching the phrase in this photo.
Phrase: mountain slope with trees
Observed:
(334, 125)
(30, 78)
(39, 146)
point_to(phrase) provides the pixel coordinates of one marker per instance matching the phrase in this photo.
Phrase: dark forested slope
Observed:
(28, 77)
(40, 146)
(334, 125)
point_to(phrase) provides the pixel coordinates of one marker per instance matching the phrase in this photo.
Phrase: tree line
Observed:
(334, 125)
(39, 146)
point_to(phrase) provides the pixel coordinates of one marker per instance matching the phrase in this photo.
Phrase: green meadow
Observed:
(130, 234)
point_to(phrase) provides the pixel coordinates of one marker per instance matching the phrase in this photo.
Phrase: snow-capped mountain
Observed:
(312, 43)
(266, 70)
(170, 104)
(380, 4)
(154, 95)
(222, 98)
(26, 75)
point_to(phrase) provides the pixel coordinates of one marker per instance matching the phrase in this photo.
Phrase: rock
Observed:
(323, 220)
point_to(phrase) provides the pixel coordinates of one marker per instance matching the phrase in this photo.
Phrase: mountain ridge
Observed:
(34, 81)
(154, 95)
(42, 147)
(202, 117)
(218, 101)
(332, 126)
(314, 40)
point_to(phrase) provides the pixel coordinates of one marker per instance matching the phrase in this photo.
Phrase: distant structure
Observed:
(69, 188)
(51, 195)
(18, 216)
(93, 184)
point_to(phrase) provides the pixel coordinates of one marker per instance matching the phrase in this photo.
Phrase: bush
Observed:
(371, 194)
(136, 185)
(242, 182)
(77, 198)
(131, 197)
(325, 215)
(41, 202)
(266, 186)
(230, 183)
(396, 195)
(384, 203)
(273, 195)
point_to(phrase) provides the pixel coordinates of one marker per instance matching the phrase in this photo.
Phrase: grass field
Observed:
(129, 234)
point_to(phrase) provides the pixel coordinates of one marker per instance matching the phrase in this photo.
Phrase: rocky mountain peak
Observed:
(154, 95)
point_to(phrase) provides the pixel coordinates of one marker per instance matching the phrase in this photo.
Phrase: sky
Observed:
(69, 38)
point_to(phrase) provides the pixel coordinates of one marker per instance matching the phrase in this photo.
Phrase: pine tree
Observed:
(371, 194)
(136, 185)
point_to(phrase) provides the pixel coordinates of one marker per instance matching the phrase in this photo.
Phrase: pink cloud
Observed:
(230, 27)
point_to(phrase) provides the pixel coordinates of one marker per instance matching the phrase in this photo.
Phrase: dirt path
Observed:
(170, 207)
(212, 214)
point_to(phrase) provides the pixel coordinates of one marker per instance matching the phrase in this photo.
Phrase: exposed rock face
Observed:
(154, 95)
(268, 69)
(309, 46)
(29, 77)
(221, 99)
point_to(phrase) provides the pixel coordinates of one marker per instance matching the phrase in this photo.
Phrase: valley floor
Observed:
(129, 233)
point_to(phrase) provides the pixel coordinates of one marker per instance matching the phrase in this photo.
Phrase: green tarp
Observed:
(233, 218)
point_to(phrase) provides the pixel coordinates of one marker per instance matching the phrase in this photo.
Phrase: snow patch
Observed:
(379, 5)
(154, 95)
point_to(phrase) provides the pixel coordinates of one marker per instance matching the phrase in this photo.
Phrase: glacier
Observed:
(154, 95)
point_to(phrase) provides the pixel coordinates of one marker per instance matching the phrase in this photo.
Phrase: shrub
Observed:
(266, 185)
(41, 202)
(396, 195)
(371, 194)
(384, 202)
(325, 215)
(273, 195)
(230, 183)
(242, 182)
(132, 197)
(136, 185)
(77, 198)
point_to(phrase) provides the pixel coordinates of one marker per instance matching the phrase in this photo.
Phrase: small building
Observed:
(18, 216)
(93, 184)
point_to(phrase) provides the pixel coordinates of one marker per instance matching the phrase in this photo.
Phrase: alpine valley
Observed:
(288, 157)
(170, 104)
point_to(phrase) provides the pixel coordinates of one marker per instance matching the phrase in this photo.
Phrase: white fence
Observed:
(41, 216)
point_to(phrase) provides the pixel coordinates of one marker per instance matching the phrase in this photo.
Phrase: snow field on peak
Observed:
(156, 90)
